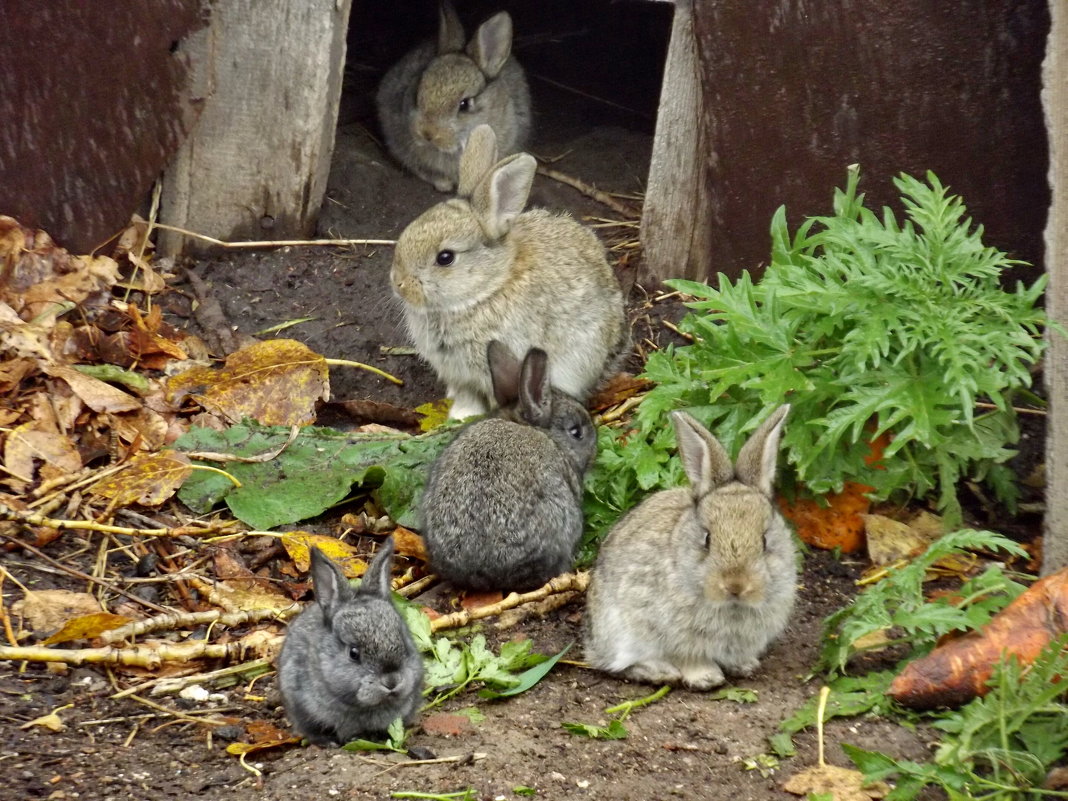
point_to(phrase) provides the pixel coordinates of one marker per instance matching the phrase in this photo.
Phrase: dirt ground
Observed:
(684, 746)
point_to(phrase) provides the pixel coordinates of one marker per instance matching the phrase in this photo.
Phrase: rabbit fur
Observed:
(696, 581)
(477, 267)
(431, 100)
(503, 503)
(348, 665)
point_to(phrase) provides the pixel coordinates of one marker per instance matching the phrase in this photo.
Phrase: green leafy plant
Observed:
(896, 605)
(866, 325)
(614, 729)
(1000, 746)
(452, 666)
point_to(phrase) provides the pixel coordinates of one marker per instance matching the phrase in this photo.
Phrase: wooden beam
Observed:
(269, 72)
(676, 218)
(1055, 101)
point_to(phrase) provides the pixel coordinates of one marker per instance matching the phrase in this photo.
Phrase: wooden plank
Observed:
(676, 217)
(1055, 99)
(257, 164)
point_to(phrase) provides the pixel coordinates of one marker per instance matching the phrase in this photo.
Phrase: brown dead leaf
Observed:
(410, 544)
(29, 452)
(144, 425)
(843, 784)
(298, 546)
(264, 735)
(445, 724)
(248, 594)
(147, 338)
(13, 371)
(149, 479)
(49, 610)
(276, 382)
(618, 389)
(51, 721)
(87, 627)
(97, 395)
(890, 540)
(40, 276)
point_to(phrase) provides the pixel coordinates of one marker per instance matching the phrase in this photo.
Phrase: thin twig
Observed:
(88, 525)
(151, 657)
(672, 327)
(369, 368)
(590, 191)
(274, 243)
(1017, 409)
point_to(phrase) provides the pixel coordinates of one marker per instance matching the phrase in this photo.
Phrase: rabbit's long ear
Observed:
(504, 372)
(331, 587)
(758, 457)
(502, 195)
(535, 391)
(376, 579)
(706, 463)
(451, 36)
(477, 159)
(492, 44)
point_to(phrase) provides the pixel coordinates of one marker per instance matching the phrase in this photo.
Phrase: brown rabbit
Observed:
(478, 268)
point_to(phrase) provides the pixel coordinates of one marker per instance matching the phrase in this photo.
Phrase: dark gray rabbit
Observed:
(503, 503)
(348, 666)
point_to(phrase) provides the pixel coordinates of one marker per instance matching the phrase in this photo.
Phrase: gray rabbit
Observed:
(348, 666)
(503, 502)
(431, 100)
(697, 581)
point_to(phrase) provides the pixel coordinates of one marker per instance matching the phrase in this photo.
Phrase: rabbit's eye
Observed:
(575, 431)
(467, 105)
(445, 258)
(708, 539)
(354, 653)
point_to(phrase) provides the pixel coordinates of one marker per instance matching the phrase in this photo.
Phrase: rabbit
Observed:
(348, 665)
(503, 502)
(478, 267)
(431, 100)
(696, 581)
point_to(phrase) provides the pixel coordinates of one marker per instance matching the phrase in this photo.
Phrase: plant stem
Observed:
(629, 706)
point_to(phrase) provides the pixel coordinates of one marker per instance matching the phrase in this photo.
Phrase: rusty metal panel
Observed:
(92, 106)
(795, 90)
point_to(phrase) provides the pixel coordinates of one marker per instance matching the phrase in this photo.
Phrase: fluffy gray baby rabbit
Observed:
(503, 503)
(696, 581)
(478, 267)
(431, 100)
(348, 666)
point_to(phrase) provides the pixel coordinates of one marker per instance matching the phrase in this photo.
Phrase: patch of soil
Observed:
(684, 746)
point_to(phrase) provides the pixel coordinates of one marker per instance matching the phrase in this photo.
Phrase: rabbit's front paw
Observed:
(654, 672)
(702, 677)
(747, 668)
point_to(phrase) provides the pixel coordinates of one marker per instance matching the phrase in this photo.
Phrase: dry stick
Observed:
(589, 191)
(9, 632)
(513, 617)
(64, 485)
(29, 519)
(274, 243)
(140, 655)
(417, 586)
(568, 582)
(168, 685)
(621, 409)
(83, 576)
(411, 763)
(1017, 409)
(213, 456)
(188, 718)
(175, 620)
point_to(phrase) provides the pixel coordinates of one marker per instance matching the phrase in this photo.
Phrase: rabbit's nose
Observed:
(736, 585)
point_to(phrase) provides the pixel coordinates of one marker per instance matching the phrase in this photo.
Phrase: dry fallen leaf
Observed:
(890, 540)
(264, 735)
(29, 452)
(50, 721)
(50, 610)
(410, 544)
(149, 479)
(276, 382)
(843, 784)
(298, 546)
(87, 627)
(97, 395)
